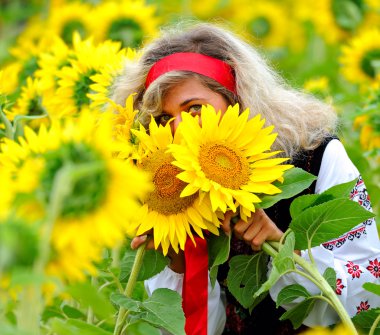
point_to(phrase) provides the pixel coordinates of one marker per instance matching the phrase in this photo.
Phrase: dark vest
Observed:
(264, 318)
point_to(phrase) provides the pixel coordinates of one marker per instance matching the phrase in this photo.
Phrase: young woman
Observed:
(205, 64)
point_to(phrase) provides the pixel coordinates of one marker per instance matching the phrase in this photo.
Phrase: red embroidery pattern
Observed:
(353, 270)
(374, 267)
(362, 307)
(339, 286)
(360, 195)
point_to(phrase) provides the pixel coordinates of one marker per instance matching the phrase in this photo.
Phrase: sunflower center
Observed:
(29, 68)
(224, 165)
(260, 26)
(370, 63)
(35, 108)
(165, 198)
(69, 28)
(88, 192)
(126, 31)
(348, 14)
(82, 88)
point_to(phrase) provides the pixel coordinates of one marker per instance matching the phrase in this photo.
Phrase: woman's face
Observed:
(188, 96)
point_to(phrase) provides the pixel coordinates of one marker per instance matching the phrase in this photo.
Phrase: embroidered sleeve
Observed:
(355, 256)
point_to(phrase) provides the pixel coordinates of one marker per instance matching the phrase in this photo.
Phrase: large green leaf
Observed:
(303, 202)
(282, 263)
(290, 293)
(141, 328)
(163, 309)
(330, 276)
(295, 181)
(218, 251)
(76, 327)
(298, 313)
(245, 277)
(365, 319)
(327, 221)
(371, 287)
(89, 296)
(153, 263)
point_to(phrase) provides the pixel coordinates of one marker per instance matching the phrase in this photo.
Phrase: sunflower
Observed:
(172, 218)
(9, 77)
(369, 125)
(76, 79)
(127, 21)
(103, 81)
(228, 158)
(361, 56)
(266, 22)
(68, 18)
(102, 199)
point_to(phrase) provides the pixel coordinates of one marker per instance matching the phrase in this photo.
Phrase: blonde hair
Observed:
(301, 121)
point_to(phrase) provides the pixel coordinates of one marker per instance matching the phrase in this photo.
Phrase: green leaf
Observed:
(218, 252)
(72, 312)
(330, 276)
(153, 263)
(51, 312)
(298, 313)
(281, 264)
(89, 296)
(303, 202)
(290, 293)
(245, 276)
(141, 328)
(123, 301)
(76, 327)
(295, 181)
(371, 287)
(164, 310)
(365, 319)
(327, 221)
(6, 329)
(348, 14)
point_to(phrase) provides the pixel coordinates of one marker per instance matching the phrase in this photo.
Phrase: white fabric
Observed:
(336, 168)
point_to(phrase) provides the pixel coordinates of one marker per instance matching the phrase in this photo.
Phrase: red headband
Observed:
(189, 61)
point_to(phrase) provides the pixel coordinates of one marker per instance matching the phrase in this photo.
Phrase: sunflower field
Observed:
(76, 168)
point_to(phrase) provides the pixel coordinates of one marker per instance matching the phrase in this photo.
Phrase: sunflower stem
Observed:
(123, 312)
(8, 125)
(319, 281)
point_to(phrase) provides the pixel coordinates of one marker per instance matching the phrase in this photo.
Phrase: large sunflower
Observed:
(102, 199)
(128, 21)
(171, 217)
(228, 158)
(361, 56)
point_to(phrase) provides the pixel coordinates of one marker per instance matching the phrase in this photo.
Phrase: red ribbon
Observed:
(195, 287)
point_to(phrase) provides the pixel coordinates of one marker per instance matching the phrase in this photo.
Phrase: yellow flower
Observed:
(320, 84)
(128, 21)
(361, 56)
(9, 77)
(102, 201)
(172, 218)
(228, 158)
(337, 330)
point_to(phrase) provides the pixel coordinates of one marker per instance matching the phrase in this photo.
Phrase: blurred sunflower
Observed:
(9, 77)
(337, 330)
(127, 21)
(266, 22)
(104, 80)
(172, 217)
(360, 58)
(227, 157)
(30, 103)
(70, 17)
(76, 79)
(210, 9)
(369, 125)
(102, 199)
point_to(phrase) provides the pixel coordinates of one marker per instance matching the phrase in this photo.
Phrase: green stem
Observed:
(7, 124)
(122, 315)
(271, 248)
(374, 326)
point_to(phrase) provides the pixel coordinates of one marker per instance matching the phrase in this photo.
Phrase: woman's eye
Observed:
(195, 109)
(163, 119)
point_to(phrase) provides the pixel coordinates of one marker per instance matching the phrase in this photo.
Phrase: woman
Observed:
(204, 64)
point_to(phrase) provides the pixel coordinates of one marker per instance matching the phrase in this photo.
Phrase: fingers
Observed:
(226, 223)
(139, 240)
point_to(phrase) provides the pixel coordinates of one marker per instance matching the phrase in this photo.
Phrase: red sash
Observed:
(195, 287)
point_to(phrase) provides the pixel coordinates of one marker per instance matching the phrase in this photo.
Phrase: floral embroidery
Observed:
(362, 307)
(353, 270)
(360, 195)
(374, 267)
(339, 286)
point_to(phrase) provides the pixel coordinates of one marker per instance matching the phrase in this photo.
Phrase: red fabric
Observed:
(195, 287)
(189, 61)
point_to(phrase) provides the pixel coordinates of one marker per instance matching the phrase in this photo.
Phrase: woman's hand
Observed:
(258, 229)
(177, 261)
